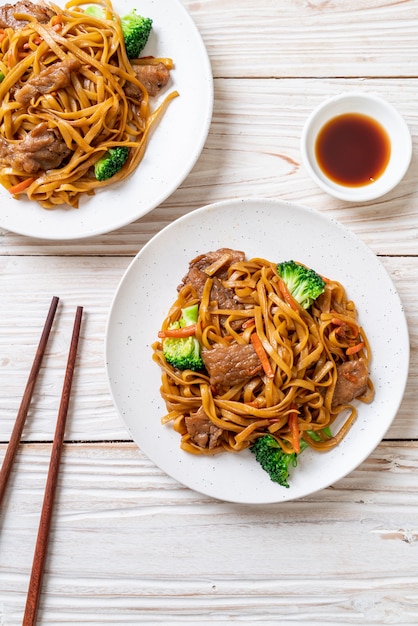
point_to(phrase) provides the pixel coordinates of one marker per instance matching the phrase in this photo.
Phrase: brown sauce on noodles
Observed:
(98, 103)
(307, 353)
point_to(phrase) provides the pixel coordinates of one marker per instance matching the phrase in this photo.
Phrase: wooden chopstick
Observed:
(35, 583)
(26, 399)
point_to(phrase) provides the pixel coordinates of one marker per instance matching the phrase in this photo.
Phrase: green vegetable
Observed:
(303, 283)
(1, 76)
(189, 315)
(136, 29)
(316, 436)
(95, 10)
(111, 162)
(184, 352)
(273, 459)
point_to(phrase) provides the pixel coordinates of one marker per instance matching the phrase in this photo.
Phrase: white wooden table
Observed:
(128, 544)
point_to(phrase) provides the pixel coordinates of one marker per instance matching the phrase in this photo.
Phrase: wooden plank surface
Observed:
(253, 150)
(155, 552)
(94, 417)
(130, 545)
(313, 38)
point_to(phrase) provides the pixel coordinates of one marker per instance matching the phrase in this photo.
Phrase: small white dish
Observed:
(386, 116)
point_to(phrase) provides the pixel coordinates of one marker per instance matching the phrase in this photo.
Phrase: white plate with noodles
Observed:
(276, 231)
(173, 147)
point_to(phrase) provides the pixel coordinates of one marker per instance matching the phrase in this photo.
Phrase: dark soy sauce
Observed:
(353, 149)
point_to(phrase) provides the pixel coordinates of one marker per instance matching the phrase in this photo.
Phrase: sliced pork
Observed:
(231, 365)
(224, 297)
(41, 149)
(352, 381)
(202, 431)
(40, 12)
(56, 76)
(217, 262)
(153, 77)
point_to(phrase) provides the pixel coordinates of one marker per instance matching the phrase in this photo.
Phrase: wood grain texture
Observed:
(309, 37)
(16, 434)
(47, 511)
(140, 548)
(93, 416)
(253, 150)
(128, 544)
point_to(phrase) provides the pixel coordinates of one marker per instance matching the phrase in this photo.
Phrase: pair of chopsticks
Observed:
(32, 601)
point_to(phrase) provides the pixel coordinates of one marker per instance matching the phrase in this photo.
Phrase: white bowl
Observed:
(384, 114)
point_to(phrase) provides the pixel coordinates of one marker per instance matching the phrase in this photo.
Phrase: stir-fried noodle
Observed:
(308, 362)
(89, 111)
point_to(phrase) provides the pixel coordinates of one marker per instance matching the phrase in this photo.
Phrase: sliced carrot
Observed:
(57, 19)
(342, 323)
(262, 355)
(294, 428)
(187, 331)
(356, 348)
(287, 295)
(19, 187)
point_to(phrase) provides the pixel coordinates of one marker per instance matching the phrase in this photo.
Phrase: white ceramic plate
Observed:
(172, 151)
(277, 231)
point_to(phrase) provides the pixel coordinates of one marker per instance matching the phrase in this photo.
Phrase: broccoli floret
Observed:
(273, 459)
(303, 283)
(136, 30)
(111, 162)
(189, 315)
(184, 352)
(1, 76)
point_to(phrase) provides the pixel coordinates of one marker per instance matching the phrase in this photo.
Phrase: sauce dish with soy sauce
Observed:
(356, 146)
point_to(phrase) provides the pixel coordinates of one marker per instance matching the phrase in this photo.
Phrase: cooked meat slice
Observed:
(228, 366)
(218, 260)
(352, 378)
(41, 149)
(224, 297)
(215, 263)
(56, 76)
(153, 77)
(40, 12)
(201, 430)
(197, 279)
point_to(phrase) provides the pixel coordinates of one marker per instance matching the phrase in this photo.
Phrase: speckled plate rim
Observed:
(275, 230)
(173, 149)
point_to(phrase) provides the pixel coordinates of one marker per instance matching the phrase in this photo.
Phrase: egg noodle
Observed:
(303, 350)
(92, 114)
